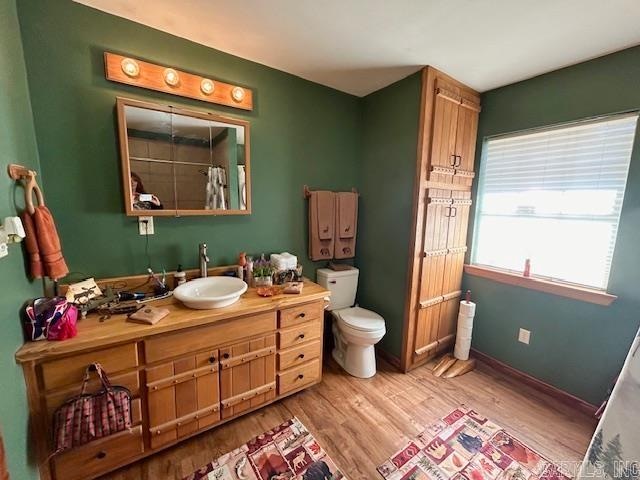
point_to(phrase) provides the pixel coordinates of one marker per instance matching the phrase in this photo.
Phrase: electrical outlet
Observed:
(145, 226)
(4, 250)
(524, 336)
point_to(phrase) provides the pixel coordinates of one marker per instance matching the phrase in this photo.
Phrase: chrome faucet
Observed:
(204, 260)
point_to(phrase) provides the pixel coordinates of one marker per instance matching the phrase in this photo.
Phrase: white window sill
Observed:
(570, 291)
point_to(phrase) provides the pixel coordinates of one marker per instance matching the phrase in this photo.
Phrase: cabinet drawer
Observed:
(70, 371)
(294, 356)
(99, 456)
(298, 377)
(200, 338)
(299, 334)
(300, 314)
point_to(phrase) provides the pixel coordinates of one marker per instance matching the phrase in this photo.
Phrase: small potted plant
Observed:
(263, 273)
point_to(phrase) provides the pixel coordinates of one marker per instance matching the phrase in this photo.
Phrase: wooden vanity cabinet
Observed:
(184, 379)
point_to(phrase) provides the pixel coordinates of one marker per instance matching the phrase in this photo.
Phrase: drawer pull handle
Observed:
(301, 336)
(301, 356)
(212, 359)
(225, 356)
(300, 377)
(101, 454)
(301, 315)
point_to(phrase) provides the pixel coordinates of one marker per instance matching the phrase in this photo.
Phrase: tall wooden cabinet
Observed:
(442, 196)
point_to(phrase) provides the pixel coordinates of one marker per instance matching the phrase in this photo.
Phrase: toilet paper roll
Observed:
(466, 321)
(467, 309)
(464, 331)
(462, 348)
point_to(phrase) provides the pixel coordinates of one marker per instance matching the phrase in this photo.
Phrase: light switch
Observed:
(524, 336)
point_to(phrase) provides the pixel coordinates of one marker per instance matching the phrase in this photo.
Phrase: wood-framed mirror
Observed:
(179, 162)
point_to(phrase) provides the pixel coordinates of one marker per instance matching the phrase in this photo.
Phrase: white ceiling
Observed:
(359, 46)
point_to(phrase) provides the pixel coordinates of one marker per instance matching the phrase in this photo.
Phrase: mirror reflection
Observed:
(183, 162)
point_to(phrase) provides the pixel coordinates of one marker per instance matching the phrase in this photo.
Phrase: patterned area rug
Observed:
(287, 452)
(466, 446)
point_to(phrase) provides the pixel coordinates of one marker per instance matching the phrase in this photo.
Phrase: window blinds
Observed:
(554, 196)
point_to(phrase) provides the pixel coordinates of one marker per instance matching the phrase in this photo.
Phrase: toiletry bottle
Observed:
(527, 268)
(248, 277)
(242, 261)
(179, 277)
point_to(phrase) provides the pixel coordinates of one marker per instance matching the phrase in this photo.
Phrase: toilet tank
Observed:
(342, 285)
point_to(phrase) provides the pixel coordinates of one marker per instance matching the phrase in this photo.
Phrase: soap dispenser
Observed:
(179, 277)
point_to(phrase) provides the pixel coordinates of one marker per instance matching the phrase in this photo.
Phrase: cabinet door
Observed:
(458, 223)
(445, 121)
(247, 375)
(448, 319)
(453, 268)
(182, 397)
(432, 273)
(466, 133)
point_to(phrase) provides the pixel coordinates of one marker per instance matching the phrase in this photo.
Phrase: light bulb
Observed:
(130, 67)
(237, 94)
(207, 86)
(171, 77)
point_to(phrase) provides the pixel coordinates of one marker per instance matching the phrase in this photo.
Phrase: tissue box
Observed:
(284, 261)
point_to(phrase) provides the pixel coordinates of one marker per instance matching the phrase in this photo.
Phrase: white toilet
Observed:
(355, 330)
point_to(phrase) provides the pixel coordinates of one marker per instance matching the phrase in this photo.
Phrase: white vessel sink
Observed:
(211, 292)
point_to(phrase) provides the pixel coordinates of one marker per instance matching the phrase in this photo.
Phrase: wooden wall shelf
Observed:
(152, 76)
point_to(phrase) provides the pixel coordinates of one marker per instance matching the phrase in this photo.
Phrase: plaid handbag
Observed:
(88, 417)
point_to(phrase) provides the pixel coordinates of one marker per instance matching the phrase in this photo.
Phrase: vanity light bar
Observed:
(132, 71)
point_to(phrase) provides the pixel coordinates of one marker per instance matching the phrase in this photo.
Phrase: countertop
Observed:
(95, 334)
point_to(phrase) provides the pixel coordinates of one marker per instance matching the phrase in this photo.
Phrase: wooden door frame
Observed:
(423, 162)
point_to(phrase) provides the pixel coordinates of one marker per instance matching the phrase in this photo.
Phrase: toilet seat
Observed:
(360, 319)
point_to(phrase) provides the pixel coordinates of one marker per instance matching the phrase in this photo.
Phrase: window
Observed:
(554, 196)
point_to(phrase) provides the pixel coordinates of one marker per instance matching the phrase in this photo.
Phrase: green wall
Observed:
(576, 346)
(17, 145)
(390, 132)
(301, 133)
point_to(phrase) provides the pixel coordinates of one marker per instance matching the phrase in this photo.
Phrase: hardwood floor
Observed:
(360, 423)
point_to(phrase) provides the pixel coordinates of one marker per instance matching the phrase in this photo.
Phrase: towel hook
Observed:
(18, 172)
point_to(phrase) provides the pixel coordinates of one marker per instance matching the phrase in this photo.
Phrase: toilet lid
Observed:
(361, 319)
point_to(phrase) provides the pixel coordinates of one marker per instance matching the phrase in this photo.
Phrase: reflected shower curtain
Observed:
(242, 187)
(614, 451)
(216, 183)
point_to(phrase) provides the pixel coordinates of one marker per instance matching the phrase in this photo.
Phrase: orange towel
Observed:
(4, 471)
(44, 245)
(31, 245)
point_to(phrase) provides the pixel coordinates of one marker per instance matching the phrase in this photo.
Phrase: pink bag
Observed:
(51, 319)
(88, 417)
